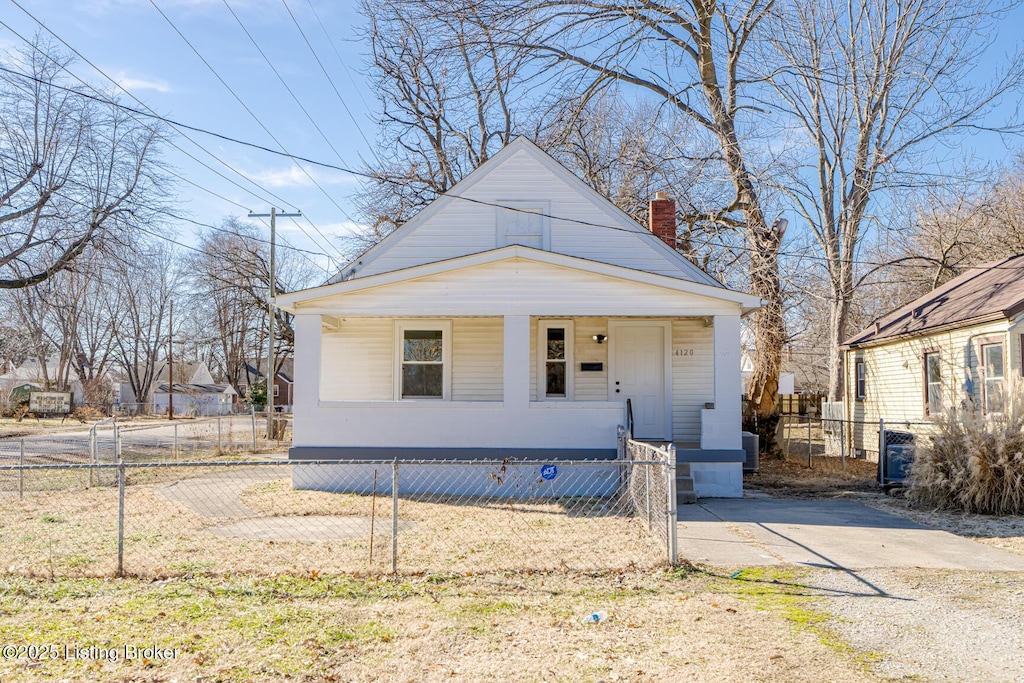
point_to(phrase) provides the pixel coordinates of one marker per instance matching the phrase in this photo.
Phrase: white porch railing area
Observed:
(460, 424)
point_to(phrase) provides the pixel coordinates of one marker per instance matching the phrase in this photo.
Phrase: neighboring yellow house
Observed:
(956, 346)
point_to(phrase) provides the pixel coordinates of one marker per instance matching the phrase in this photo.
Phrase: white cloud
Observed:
(295, 176)
(133, 83)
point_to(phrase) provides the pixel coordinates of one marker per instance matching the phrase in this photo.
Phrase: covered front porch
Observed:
(516, 353)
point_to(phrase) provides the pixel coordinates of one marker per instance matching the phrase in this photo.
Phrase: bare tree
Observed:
(140, 296)
(873, 86)
(691, 57)
(232, 282)
(447, 91)
(76, 173)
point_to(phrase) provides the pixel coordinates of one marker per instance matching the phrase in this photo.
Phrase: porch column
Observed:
(517, 362)
(720, 426)
(308, 333)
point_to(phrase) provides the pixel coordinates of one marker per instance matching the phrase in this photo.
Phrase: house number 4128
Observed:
(683, 352)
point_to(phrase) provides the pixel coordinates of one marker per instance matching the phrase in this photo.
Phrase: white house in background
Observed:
(513, 317)
(787, 380)
(195, 392)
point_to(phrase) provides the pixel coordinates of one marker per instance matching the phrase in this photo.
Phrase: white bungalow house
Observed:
(513, 317)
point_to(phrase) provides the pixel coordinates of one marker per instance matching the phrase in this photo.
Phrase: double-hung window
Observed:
(993, 389)
(423, 363)
(555, 356)
(933, 383)
(861, 370)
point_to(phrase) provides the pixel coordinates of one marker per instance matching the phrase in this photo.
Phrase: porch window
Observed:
(555, 379)
(862, 379)
(423, 360)
(932, 384)
(994, 377)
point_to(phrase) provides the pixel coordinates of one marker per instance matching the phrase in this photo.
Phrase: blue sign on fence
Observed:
(548, 472)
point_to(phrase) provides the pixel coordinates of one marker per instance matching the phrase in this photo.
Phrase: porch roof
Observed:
(518, 279)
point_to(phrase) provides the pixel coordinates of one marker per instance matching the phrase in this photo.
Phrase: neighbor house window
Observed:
(994, 377)
(277, 391)
(861, 369)
(555, 355)
(423, 360)
(524, 223)
(932, 384)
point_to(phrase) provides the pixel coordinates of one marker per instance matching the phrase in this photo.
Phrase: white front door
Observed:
(639, 375)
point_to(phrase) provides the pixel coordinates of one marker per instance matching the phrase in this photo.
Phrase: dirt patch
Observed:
(661, 626)
(824, 478)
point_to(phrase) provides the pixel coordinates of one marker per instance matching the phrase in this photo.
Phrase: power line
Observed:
(150, 114)
(343, 169)
(330, 80)
(254, 117)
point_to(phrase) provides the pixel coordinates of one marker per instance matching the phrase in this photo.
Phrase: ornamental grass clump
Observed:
(974, 463)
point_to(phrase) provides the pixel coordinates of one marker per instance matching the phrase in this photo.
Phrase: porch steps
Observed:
(685, 493)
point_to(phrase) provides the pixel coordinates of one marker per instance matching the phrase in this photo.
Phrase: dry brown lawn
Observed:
(662, 626)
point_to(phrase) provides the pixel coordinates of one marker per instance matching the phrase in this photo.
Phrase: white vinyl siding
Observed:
(478, 353)
(518, 286)
(693, 378)
(457, 227)
(357, 361)
(591, 385)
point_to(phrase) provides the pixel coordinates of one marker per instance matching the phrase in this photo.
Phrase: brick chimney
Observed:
(662, 218)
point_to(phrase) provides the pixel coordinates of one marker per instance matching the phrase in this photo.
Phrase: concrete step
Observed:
(685, 497)
(682, 469)
(684, 484)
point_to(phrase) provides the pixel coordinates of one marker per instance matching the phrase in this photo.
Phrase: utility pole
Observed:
(271, 374)
(170, 362)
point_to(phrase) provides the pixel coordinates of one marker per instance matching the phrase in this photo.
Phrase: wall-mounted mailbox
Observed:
(591, 367)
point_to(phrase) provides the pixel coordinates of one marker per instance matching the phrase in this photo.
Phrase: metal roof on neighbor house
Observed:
(992, 291)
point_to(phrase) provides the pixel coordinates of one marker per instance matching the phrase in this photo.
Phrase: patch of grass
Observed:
(779, 591)
(52, 519)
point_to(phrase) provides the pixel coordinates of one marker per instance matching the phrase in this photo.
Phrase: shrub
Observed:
(87, 414)
(973, 463)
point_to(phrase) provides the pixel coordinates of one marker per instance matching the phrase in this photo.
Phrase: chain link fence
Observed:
(111, 440)
(818, 440)
(218, 517)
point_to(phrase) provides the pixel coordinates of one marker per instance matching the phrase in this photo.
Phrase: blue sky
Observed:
(132, 43)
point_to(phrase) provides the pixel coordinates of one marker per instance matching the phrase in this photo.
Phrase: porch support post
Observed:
(517, 362)
(308, 334)
(720, 426)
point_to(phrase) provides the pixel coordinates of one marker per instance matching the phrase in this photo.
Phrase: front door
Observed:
(639, 375)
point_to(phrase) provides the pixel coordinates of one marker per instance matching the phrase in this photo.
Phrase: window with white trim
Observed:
(993, 388)
(555, 356)
(524, 223)
(423, 360)
(861, 370)
(933, 383)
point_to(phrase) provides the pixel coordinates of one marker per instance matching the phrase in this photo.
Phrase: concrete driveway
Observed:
(837, 534)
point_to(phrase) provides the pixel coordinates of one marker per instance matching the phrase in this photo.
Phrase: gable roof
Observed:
(993, 291)
(617, 219)
(292, 300)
